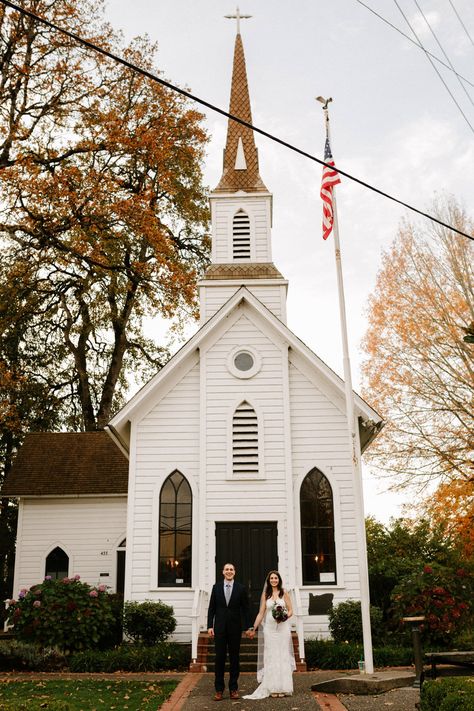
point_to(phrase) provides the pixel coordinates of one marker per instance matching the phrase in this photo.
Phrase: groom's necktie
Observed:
(227, 593)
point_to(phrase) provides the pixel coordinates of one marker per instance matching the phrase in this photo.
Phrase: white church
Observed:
(236, 451)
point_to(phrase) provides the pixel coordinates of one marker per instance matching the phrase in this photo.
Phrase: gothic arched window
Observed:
(57, 564)
(241, 236)
(317, 530)
(245, 441)
(174, 563)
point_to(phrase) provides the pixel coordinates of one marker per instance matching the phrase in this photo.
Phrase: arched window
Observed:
(245, 441)
(317, 530)
(57, 564)
(241, 236)
(120, 576)
(174, 564)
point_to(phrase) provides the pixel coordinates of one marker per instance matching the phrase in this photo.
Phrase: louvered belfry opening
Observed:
(245, 441)
(241, 235)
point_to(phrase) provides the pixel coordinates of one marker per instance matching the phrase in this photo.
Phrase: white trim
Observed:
(202, 489)
(127, 593)
(18, 552)
(290, 504)
(336, 500)
(243, 374)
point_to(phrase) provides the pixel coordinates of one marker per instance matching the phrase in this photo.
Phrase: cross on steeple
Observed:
(238, 17)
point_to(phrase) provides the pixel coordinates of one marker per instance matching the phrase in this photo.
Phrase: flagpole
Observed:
(354, 442)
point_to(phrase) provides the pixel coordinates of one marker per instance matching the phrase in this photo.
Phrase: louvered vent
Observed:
(245, 441)
(241, 235)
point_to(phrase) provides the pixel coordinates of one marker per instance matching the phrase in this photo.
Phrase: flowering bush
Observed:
(66, 614)
(440, 594)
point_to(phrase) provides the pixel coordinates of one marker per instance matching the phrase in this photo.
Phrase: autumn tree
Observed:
(419, 370)
(103, 211)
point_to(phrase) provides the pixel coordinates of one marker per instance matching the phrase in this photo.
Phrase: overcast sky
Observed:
(393, 124)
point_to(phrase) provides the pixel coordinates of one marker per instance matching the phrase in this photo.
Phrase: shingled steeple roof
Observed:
(240, 153)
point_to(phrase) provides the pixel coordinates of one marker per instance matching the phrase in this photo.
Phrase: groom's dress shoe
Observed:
(234, 694)
(218, 696)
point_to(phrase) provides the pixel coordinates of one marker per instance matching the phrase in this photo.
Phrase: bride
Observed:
(276, 662)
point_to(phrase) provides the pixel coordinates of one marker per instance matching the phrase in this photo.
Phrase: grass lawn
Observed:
(85, 694)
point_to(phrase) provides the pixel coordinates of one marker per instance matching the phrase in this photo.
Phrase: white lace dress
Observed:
(276, 676)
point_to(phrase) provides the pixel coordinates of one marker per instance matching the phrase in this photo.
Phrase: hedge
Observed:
(164, 656)
(326, 654)
(448, 694)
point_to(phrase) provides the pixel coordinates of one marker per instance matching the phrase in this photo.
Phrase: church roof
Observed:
(370, 422)
(240, 154)
(67, 464)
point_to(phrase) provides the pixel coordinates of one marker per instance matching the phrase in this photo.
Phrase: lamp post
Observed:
(416, 638)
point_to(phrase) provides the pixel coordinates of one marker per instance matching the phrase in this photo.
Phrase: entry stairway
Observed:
(248, 654)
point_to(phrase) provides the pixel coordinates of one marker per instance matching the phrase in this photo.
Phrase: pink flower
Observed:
(102, 588)
(37, 603)
(77, 577)
(66, 580)
(48, 577)
(93, 593)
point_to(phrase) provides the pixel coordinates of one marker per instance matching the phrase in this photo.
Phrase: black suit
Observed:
(226, 620)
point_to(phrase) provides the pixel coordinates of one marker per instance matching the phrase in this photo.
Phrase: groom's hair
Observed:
(228, 564)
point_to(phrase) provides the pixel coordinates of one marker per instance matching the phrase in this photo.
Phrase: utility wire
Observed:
(462, 23)
(410, 39)
(442, 49)
(434, 66)
(208, 105)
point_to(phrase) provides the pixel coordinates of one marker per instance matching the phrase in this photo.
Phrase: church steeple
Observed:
(241, 213)
(240, 154)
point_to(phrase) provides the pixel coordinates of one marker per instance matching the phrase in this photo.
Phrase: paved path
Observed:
(198, 696)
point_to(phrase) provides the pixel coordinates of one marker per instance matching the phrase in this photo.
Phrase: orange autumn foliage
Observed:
(419, 372)
(451, 507)
(102, 208)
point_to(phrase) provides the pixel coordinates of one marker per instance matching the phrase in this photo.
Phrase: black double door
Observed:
(252, 548)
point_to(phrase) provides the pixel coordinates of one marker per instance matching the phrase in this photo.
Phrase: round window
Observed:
(243, 361)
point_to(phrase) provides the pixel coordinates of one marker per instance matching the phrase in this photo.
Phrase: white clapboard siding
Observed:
(273, 296)
(167, 439)
(88, 529)
(258, 211)
(320, 439)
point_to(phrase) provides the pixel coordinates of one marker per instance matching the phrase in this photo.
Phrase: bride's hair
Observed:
(268, 587)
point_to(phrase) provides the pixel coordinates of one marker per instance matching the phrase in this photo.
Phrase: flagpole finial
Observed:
(324, 101)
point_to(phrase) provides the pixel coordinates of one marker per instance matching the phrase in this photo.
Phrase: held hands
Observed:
(250, 633)
(210, 632)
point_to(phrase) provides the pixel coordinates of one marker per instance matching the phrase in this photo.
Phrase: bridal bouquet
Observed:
(279, 612)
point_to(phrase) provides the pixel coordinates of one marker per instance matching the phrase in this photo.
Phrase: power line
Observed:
(410, 39)
(462, 23)
(212, 107)
(442, 49)
(434, 67)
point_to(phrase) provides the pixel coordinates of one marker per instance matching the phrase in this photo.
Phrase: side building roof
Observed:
(67, 464)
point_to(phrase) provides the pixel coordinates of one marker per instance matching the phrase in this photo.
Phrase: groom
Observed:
(227, 606)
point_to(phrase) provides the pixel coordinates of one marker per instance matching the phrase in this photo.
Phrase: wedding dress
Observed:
(276, 675)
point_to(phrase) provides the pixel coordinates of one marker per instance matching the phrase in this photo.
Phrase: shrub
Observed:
(448, 694)
(165, 656)
(148, 622)
(66, 614)
(442, 596)
(17, 656)
(327, 654)
(345, 622)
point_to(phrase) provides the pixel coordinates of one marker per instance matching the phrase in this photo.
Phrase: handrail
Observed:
(298, 608)
(197, 619)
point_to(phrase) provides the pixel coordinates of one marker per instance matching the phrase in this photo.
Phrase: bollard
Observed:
(417, 653)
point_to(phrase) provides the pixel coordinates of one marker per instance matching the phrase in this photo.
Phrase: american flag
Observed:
(329, 180)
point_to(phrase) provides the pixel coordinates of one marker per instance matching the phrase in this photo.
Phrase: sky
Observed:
(393, 125)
